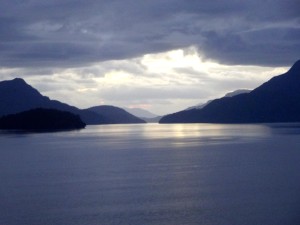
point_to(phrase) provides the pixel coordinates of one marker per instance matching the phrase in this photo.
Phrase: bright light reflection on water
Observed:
(180, 134)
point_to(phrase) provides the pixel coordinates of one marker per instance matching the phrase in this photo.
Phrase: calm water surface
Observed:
(192, 174)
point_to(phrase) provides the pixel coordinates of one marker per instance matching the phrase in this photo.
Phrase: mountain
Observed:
(230, 94)
(237, 92)
(141, 113)
(115, 115)
(41, 120)
(152, 120)
(17, 96)
(277, 100)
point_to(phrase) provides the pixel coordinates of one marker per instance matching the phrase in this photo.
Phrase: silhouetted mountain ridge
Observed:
(18, 96)
(277, 100)
(115, 115)
(229, 94)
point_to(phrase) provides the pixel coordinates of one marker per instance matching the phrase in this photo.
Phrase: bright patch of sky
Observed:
(161, 83)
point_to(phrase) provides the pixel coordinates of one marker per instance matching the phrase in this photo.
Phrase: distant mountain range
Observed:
(230, 94)
(141, 113)
(152, 120)
(115, 114)
(277, 100)
(17, 96)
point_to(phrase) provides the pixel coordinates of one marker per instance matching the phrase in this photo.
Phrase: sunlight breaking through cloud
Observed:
(165, 82)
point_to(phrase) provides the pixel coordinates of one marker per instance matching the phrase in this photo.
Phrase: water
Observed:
(192, 174)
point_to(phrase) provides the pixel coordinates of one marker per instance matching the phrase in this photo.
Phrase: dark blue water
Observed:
(152, 174)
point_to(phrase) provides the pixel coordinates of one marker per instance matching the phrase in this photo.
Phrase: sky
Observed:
(160, 55)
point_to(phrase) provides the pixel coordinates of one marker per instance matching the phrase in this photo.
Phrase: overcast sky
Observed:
(162, 55)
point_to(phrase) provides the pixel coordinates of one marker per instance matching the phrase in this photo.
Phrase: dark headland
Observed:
(42, 120)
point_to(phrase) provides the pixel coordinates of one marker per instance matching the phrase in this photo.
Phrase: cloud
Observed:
(162, 82)
(75, 33)
(166, 55)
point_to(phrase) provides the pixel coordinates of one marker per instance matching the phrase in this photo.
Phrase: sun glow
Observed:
(168, 61)
(114, 78)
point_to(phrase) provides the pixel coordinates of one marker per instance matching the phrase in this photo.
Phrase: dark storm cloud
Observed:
(39, 33)
(265, 47)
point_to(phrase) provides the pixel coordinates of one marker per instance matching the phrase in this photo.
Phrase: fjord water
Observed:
(192, 174)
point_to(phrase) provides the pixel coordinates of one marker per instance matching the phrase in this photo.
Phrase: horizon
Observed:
(159, 56)
(177, 108)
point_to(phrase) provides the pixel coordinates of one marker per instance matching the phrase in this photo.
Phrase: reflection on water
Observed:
(171, 174)
(179, 134)
(182, 131)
